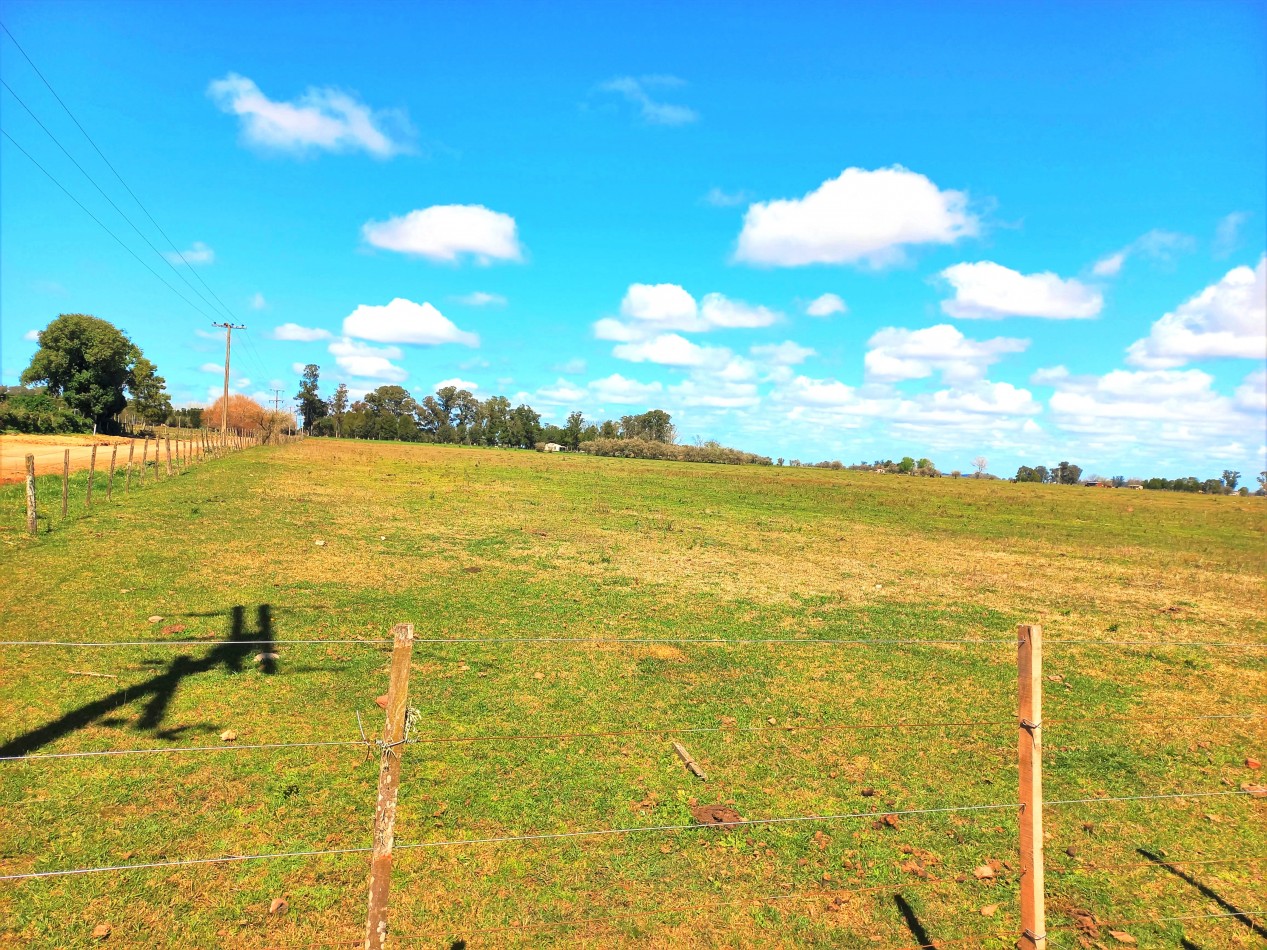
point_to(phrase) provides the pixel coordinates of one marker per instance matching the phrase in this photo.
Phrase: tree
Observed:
(149, 392)
(572, 430)
(1027, 474)
(1262, 481)
(1118, 481)
(907, 465)
(525, 427)
(1067, 474)
(980, 463)
(244, 413)
(1230, 479)
(311, 406)
(654, 425)
(338, 407)
(85, 360)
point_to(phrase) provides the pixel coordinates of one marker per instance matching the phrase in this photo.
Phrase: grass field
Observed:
(478, 543)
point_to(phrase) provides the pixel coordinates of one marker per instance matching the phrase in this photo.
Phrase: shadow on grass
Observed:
(913, 923)
(1241, 916)
(156, 693)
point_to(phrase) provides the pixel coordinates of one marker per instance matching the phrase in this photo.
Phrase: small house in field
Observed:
(553, 447)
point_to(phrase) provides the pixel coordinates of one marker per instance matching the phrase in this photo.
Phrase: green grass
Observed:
(471, 543)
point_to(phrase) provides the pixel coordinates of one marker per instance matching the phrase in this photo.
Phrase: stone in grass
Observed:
(228, 736)
(278, 906)
(101, 931)
(319, 543)
(156, 619)
(989, 910)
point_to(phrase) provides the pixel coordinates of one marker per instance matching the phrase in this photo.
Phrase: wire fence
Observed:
(726, 823)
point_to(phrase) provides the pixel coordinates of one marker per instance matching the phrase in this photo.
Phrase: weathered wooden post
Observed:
(168, 441)
(30, 494)
(145, 456)
(1029, 665)
(65, 483)
(114, 454)
(92, 474)
(127, 485)
(388, 782)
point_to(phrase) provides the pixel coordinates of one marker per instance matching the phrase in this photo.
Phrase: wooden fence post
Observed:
(30, 498)
(388, 783)
(1029, 665)
(145, 456)
(92, 474)
(127, 485)
(114, 454)
(169, 455)
(65, 482)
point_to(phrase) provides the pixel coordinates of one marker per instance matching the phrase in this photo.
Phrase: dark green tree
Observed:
(338, 408)
(311, 406)
(1231, 479)
(85, 360)
(149, 399)
(573, 429)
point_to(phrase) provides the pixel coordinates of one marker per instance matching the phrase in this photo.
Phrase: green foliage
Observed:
(311, 406)
(668, 451)
(149, 401)
(338, 408)
(36, 411)
(654, 425)
(87, 361)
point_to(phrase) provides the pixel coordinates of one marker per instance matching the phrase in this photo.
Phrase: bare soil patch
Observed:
(49, 452)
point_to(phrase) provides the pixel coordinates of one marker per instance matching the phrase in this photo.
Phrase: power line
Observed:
(102, 191)
(100, 223)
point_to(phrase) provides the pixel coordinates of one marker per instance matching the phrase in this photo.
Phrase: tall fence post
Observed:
(388, 783)
(65, 483)
(114, 454)
(169, 454)
(127, 485)
(92, 474)
(30, 499)
(145, 456)
(1029, 666)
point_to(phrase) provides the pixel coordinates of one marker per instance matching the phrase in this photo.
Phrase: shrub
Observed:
(668, 451)
(35, 411)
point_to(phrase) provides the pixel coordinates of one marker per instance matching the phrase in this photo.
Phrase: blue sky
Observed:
(817, 231)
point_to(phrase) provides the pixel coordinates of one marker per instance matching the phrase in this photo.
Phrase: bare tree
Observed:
(980, 464)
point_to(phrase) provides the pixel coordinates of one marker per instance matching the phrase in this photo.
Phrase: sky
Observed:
(1029, 232)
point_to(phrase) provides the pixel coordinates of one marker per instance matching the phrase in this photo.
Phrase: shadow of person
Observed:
(157, 692)
(912, 922)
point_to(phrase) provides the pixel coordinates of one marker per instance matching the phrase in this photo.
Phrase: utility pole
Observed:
(277, 400)
(224, 406)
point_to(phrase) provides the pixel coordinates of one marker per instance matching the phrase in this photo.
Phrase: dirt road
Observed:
(49, 452)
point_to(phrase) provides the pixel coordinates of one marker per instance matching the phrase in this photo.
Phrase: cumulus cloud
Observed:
(211, 368)
(321, 119)
(861, 216)
(786, 353)
(481, 299)
(403, 321)
(447, 232)
(896, 354)
(617, 389)
(1227, 319)
(194, 255)
(297, 334)
(986, 290)
(720, 198)
(652, 308)
(826, 305)
(670, 349)
(456, 383)
(258, 302)
(368, 362)
(31, 336)
(572, 367)
(1157, 245)
(637, 91)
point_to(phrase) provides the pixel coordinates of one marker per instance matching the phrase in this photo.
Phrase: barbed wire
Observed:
(1187, 862)
(607, 734)
(545, 836)
(1141, 798)
(1163, 920)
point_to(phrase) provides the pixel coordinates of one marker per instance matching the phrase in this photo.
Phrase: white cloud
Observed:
(715, 394)
(1157, 245)
(986, 290)
(572, 367)
(719, 198)
(446, 232)
(481, 299)
(669, 349)
(368, 362)
(562, 393)
(1227, 234)
(1227, 319)
(635, 90)
(326, 119)
(652, 308)
(297, 368)
(31, 336)
(297, 334)
(258, 302)
(456, 383)
(211, 368)
(861, 216)
(196, 253)
(896, 354)
(403, 321)
(1251, 395)
(826, 305)
(617, 389)
(786, 353)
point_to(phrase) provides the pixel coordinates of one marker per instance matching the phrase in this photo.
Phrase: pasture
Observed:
(497, 546)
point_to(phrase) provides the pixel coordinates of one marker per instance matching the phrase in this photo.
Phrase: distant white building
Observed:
(553, 447)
